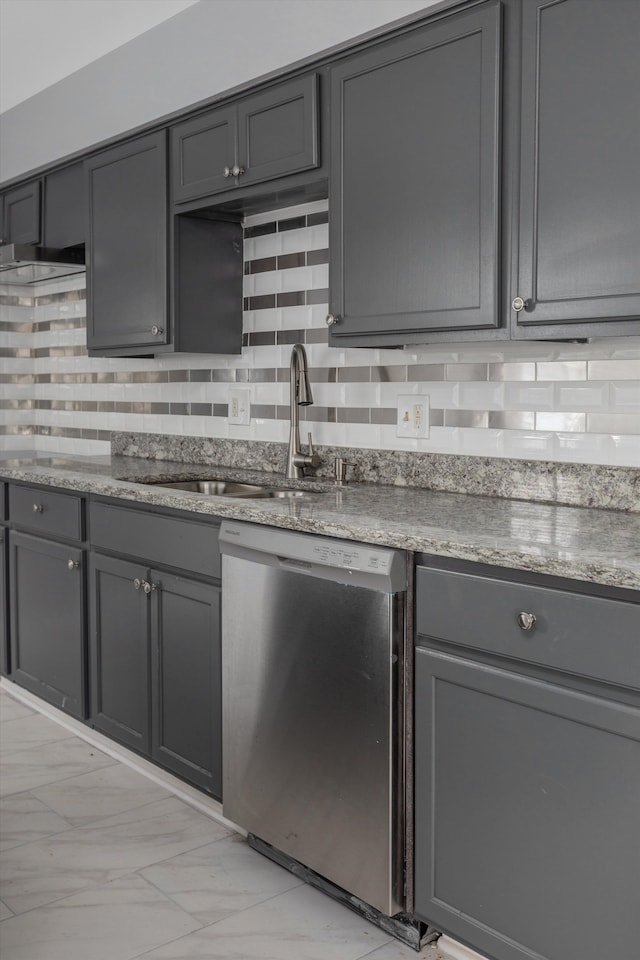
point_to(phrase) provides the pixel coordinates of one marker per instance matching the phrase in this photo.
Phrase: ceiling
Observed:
(42, 41)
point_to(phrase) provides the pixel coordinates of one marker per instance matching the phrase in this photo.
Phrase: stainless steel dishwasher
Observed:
(312, 633)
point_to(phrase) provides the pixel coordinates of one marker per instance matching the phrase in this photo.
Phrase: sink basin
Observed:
(229, 488)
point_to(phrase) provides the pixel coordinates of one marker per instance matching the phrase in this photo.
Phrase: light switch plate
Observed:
(413, 416)
(239, 406)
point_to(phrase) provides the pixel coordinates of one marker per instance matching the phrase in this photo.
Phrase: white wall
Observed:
(210, 47)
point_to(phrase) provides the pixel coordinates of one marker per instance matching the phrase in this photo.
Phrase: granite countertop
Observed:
(588, 544)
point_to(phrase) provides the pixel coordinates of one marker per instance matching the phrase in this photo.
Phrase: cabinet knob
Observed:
(149, 587)
(38, 508)
(526, 621)
(519, 304)
(226, 172)
(73, 564)
(236, 170)
(156, 331)
(137, 583)
(330, 320)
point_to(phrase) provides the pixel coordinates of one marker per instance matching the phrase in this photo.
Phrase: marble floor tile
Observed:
(35, 766)
(24, 818)
(220, 879)
(90, 797)
(302, 924)
(4, 911)
(12, 709)
(39, 873)
(30, 731)
(117, 921)
(395, 950)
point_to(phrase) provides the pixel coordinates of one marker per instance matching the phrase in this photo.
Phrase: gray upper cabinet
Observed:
(127, 283)
(577, 262)
(64, 207)
(269, 135)
(156, 283)
(21, 214)
(414, 202)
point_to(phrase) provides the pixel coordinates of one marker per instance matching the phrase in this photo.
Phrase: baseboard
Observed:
(452, 950)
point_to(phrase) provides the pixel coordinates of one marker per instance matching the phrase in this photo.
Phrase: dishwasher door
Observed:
(311, 706)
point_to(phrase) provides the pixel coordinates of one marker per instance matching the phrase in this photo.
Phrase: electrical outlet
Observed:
(239, 406)
(413, 416)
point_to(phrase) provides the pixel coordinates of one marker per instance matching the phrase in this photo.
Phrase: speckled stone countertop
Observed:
(593, 545)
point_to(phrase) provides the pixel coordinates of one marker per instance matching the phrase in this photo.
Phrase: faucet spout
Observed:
(299, 395)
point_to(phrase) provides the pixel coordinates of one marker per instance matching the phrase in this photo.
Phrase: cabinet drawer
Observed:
(590, 636)
(45, 512)
(159, 540)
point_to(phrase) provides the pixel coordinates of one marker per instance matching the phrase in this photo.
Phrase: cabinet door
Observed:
(127, 245)
(64, 207)
(4, 607)
(414, 182)
(22, 214)
(47, 620)
(278, 131)
(579, 204)
(187, 720)
(527, 798)
(202, 150)
(119, 651)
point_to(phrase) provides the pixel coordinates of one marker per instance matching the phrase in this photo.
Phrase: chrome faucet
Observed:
(299, 396)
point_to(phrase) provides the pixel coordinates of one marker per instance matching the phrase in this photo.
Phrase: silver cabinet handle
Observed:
(526, 621)
(236, 170)
(330, 320)
(137, 583)
(73, 564)
(149, 587)
(156, 331)
(226, 172)
(38, 508)
(519, 304)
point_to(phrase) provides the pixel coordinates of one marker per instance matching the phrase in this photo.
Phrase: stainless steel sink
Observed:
(229, 488)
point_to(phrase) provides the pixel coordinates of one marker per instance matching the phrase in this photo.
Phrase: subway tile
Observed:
(313, 219)
(354, 374)
(262, 339)
(466, 371)
(263, 265)
(562, 370)
(316, 257)
(582, 448)
(626, 396)
(262, 375)
(614, 423)
(483, 443)
(265, 411)
(199, 376)
(386, 415)
(626, 450)
(320, 374)
(466, 418)
(353, 415)
(265, 302)
(260, 230)
(290, 260)
(512, 371)
(389, 373)
(292, 298)
(512, 419)
(200, 409)
(628, 369)
(425, 372)
(552, 420)
(594, 396)
(481, 396)
(291, 336)
(314, 414)
(317, 336)
(436, 417)
(292, 223)
(528, 396)
(523, 445)
(318, 296)
(179, 409)
(220, 409)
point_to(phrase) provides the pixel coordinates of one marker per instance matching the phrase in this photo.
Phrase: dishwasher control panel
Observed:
(350, 556)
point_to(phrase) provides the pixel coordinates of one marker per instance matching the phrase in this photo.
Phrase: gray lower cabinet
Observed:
(154, 639)
(4, 606)
(414, 200)
(527, 779)
(47, 615)
(577, 254)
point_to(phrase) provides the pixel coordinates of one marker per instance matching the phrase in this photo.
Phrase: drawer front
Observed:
(45, 512)
(589, 636)
(156, 539)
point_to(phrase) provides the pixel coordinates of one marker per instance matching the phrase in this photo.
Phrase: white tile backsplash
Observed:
(582, 398)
